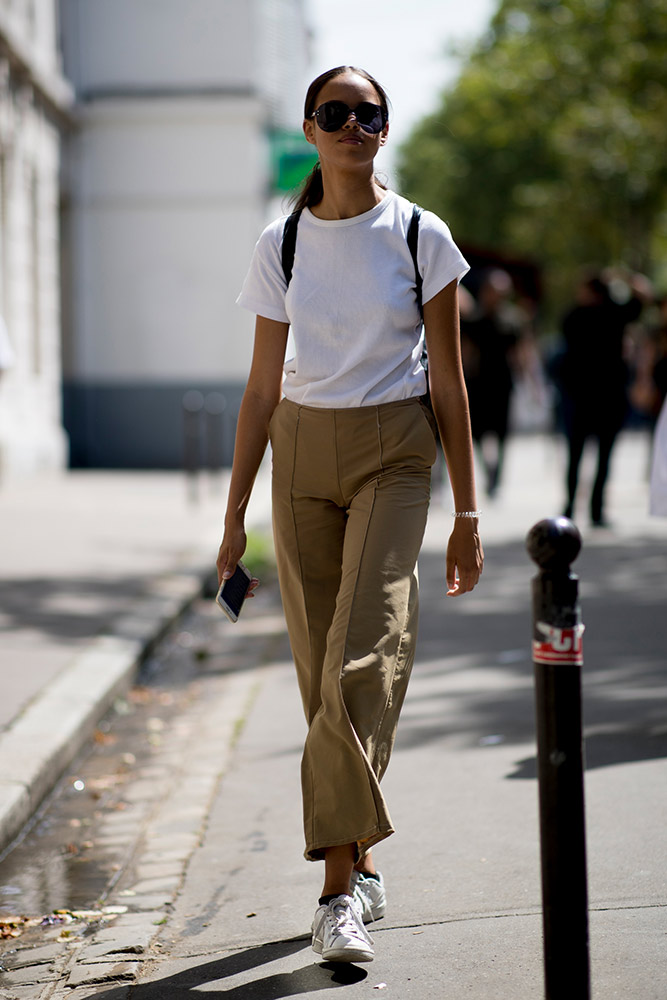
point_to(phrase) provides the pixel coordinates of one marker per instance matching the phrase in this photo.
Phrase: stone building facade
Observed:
(35, 113)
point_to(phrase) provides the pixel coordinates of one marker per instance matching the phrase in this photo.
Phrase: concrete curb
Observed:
(41, 744)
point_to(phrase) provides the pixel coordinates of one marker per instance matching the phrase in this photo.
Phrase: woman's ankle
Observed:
(366, 865)
(338, 863)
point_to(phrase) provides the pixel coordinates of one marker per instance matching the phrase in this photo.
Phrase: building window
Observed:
(35, 317)
(3, 235)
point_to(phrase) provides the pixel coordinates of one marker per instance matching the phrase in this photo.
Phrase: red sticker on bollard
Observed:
(558, 645)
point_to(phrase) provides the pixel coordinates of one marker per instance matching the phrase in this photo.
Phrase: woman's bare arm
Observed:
(261, 396)
(465, 557)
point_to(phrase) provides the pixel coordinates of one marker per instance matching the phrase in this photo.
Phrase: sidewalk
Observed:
(463, 868)
(94, 566)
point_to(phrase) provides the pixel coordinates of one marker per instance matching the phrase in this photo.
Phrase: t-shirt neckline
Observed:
(355, 219)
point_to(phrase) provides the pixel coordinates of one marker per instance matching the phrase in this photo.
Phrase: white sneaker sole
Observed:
(345, 954)
(377, 912)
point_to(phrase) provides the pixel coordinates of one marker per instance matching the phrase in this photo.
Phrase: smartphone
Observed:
(233, 592)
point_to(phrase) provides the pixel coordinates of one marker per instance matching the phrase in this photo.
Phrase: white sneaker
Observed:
(370, 895)
(339, 934)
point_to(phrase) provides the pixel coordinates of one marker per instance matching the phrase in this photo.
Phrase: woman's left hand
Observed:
(465, 557)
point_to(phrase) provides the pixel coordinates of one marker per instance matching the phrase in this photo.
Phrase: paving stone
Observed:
(177, 823)
(118, 822)
(29, 974)
(156, 901)
(130, 923)
(158, 869)
(23, 993)
(153, 772)
(157, 885)
(173, 842)
(119, 992)
(110, 952)
(145, 791)
(166, 855)
(102, 972)
(133, 937)
(35, 956)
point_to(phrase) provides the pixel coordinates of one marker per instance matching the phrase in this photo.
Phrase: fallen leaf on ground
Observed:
(140, 695)
(13, 927)
(104, 739)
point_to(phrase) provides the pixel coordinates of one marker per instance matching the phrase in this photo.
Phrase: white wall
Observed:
(167, 209)
(121, 45)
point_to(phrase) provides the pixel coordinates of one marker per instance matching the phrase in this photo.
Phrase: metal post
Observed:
(557, 655)
(214, 408)
(193, 404)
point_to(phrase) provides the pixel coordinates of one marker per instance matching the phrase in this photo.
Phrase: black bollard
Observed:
(557, 655)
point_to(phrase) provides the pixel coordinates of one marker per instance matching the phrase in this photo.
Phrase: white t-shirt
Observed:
(351, 302)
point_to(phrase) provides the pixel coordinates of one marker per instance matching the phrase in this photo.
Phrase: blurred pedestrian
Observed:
(593, 379)
(658, 490)
(490, 334)
(353, 444)
(659, 366)
(649, 384)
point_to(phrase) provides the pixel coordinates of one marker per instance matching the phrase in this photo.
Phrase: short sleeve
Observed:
(264, 288)
(440, 260)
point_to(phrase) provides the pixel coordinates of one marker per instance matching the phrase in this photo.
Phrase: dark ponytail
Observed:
(312, 189)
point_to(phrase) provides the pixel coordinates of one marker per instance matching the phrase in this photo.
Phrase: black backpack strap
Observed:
(289, 247)
(289, 243)
(413, 242)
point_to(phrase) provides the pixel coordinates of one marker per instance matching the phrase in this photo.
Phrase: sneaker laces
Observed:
(345, 914)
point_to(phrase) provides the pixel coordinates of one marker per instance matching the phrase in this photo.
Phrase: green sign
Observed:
(292, 159)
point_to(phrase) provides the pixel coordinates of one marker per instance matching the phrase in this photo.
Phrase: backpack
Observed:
(289, 246)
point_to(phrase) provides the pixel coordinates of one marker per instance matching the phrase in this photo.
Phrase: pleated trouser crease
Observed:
(350, 499)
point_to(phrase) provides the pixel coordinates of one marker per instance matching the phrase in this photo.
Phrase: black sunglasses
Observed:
(332, 115)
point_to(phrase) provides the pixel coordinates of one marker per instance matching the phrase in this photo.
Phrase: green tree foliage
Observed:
(552, 144)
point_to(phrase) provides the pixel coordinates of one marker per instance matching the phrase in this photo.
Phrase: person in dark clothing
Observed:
(488, 339)
(594, 383)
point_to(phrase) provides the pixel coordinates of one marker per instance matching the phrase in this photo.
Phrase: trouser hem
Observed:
(364, 844)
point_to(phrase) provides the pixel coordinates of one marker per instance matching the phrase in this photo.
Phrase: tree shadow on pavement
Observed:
(187, 984)
(68, 608)
(473, 677)
(605, 750)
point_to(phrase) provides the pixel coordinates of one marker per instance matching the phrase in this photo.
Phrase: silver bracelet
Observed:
(466, 513)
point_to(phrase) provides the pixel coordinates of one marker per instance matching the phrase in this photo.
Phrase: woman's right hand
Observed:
(231, 549)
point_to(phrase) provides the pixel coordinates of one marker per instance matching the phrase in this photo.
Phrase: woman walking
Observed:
(353, 444)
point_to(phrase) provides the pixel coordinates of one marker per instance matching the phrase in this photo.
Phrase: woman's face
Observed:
(349, 146)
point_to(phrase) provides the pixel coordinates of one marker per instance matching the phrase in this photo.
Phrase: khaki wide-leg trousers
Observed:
(350, 497)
